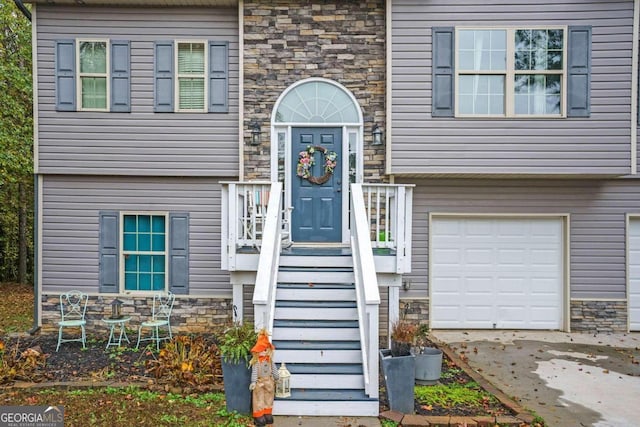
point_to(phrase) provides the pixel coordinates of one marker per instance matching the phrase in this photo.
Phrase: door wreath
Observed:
(306, 161)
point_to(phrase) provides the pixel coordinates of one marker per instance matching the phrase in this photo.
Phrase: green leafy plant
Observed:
(232, 419)
(388, 423)
(451, 395)
(236, 342)
(186, 361)
(20, 365)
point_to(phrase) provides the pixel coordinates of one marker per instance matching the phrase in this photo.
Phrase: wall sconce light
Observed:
(377, 135)
(254, 126)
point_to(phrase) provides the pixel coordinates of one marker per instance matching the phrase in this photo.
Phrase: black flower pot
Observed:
(400, 348)
(237, 377)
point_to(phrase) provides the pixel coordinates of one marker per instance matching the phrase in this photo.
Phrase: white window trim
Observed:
(510, 72)
(79, 74)
(177, 108)
(121, 252)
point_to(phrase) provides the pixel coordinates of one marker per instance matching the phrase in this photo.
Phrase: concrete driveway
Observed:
(569, 379)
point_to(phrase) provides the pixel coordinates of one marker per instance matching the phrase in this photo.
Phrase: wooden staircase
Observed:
(316, 334)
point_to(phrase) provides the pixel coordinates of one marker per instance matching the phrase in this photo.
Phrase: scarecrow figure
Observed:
(263, 379)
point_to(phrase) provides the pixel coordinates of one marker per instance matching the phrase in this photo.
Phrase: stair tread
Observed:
(316, 304)
(291, 323)
(316, 270)
(317, 345)
(313, 252)
(327, 395)
(312, 285)
(325, 368)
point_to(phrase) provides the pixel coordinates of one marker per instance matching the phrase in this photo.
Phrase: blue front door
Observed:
(317, 207)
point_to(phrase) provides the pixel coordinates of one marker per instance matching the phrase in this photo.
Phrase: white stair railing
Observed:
(388, 213)
(267, 274)
(367, 293)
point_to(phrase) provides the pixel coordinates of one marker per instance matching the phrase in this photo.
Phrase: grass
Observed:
(16, 306)
(108, 406)
(452, 395)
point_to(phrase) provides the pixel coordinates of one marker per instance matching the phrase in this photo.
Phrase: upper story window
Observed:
(93, 75)
(191, 90)
(191, 76)
(523, 72)
(510, 72)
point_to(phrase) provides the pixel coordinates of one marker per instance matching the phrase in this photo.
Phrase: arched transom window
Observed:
(317, 102)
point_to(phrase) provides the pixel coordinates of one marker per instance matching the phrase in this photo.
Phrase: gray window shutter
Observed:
(120, 76)
(442, 72)
(579, 71)
(65, 68)
(218, 77)
(179, 253)
(163, 77)
(108, 252)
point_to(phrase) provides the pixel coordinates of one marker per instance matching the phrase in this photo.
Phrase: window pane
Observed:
(481, 94)
(482, 50)
(158, 282)
(130, 223)
(144, 242)
(93, 57)
(94, 92)
(537, 94)
(191, 93)
(158, 263)
(130, 263)
(538, 49)
(144, 223)
(144, 263)
(131, 282)
(130, 242)
(191, 58)
(158, 224)
(144, 282)
(157, 242)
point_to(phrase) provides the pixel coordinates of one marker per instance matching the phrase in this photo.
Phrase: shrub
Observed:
(187, 361)
(236, 342)
(20, 365)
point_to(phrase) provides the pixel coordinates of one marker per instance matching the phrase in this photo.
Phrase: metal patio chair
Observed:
(160, 318)
(73, 306)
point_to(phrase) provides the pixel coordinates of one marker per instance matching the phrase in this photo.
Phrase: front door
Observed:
(317, 205)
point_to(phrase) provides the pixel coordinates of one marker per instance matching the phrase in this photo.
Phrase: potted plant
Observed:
(235, 349)
(428, 358)
(398, 367)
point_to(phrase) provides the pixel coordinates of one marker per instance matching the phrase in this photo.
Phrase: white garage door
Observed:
(634, 274)
(502, 273)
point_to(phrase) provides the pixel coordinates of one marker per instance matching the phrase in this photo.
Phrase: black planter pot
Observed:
(237, 377)
(399, 377)
(400, 348)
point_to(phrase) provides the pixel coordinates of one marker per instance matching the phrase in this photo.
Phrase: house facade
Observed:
(475, 167)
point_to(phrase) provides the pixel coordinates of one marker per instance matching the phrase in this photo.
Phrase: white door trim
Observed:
(565, 217)
(629, 217)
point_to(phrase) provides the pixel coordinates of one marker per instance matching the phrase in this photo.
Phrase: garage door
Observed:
(634, 274)
(502, 273)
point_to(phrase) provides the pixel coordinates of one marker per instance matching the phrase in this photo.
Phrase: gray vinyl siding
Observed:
(599, 144)
(141, 142)
(597, 212)
(70, 236)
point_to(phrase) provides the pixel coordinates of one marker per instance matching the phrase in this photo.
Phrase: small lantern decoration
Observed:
(283, 386)
(116, 306)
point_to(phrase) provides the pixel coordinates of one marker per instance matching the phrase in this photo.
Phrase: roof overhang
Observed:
(218, 3)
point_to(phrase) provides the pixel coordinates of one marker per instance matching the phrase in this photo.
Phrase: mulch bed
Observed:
(72, 363)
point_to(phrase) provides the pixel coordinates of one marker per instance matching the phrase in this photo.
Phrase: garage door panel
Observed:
(634, 274)
(510, 270)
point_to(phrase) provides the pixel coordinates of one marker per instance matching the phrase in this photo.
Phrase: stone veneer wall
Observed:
(190, 315)
(287, 41)
(598, 316)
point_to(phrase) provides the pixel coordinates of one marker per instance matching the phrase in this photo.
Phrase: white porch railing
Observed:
(244, 208)
(388, 212)
(267, 275)
(366, 284)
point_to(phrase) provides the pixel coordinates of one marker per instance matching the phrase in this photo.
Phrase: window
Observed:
(191, 88)
(191, 76)
(510, 72)
(93, 78)
(144, 251)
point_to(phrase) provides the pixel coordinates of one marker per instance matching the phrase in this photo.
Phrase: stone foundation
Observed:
(190, 315)
(598, 316)
(415, 311)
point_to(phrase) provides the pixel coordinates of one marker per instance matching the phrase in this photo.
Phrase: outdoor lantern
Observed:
(377, 135)
(283, 387)
(254, 126)
(116, 305)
